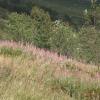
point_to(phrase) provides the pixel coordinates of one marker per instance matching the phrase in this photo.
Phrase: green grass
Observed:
(80, 90)
(10, 52)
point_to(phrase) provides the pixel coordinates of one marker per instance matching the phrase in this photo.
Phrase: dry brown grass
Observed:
(33, 75)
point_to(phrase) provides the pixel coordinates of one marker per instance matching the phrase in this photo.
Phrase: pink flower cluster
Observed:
(34, 50)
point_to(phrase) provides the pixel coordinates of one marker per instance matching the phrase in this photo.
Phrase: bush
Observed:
(89, 39)
(64, 39)
(20, 27)
(43, 25)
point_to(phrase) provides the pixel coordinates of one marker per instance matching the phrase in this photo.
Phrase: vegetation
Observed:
(43, 26)
(63, 39)
(89, 44)
(39, 74)
(20, 27)
(39, 29)
(38, 52)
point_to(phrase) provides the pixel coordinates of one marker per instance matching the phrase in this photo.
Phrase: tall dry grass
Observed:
(37, 74)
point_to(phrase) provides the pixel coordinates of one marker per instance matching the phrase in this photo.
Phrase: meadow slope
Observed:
(30, 73)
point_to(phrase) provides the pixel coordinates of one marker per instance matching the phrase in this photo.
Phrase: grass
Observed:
(30, 73)
(10, 52)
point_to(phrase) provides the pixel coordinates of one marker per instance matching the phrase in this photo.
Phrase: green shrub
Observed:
(20, 27)
(43, 25)
(64, 39)
(89, 40)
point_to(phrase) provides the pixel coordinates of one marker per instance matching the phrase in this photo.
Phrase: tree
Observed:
(20, 27)
(64, 39)
(43, 26)
(89, 40)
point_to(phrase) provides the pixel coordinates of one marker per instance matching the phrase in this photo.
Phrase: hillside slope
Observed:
(30, 73)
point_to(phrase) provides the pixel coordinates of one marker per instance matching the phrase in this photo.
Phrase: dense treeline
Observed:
(74, 16)
(17, 5)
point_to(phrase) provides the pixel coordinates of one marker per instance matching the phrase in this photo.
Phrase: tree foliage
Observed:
(90, 44)
(20, 27)
(43, 25)
(64, 39)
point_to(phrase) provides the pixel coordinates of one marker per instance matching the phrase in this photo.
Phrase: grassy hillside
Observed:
(30, 73)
